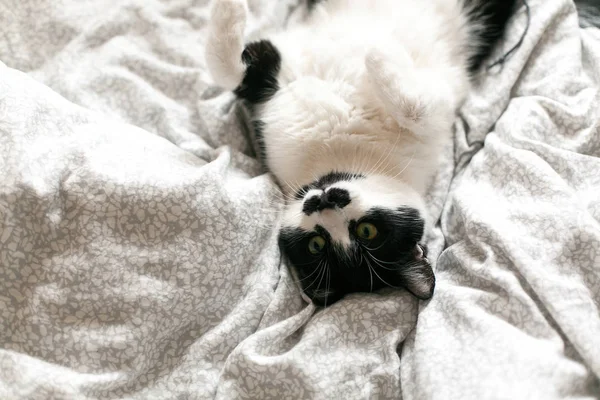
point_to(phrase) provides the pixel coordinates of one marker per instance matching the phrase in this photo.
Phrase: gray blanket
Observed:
(138, 253)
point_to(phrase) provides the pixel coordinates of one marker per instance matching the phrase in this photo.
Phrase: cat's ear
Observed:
(414, 97)
(418, 278)
(249, 70)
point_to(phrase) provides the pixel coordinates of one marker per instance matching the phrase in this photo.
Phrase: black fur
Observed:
(258, 126)
(334, 197)
(390, 259)
(327, 180)
(492, 16)
(589, 13)
(263, 61)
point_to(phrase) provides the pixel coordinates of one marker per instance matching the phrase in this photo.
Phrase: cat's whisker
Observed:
(376, 165)
(318, 269)
(358, 158)
(278, 196)
(298, 187)
(302, 264)
(406, 166)
(290, 187)
(381, 266)
(327, 285)
(387, 157)
(271, 208)
(308, 276)
(326, 267)
(370, 274)
(294, 242)
(380, 278)
(277, 201)
(383, 262)
(322, 269)
(364, 159)
(378, 247)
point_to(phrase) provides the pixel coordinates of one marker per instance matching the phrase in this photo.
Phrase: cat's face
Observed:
(348, 233)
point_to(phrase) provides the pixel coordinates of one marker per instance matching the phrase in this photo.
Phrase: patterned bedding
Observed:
(138, 232)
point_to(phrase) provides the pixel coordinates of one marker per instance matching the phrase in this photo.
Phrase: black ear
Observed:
(418, 278)
(263, 61)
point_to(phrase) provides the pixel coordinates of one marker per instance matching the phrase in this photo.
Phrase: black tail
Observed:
(589, 13)
(488, 20)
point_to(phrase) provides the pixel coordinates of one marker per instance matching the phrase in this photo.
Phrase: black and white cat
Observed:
(353, 106)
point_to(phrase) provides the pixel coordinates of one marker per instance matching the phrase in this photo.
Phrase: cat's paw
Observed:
(415, 98)
(228, 13)
(225, 42)
(396, 84)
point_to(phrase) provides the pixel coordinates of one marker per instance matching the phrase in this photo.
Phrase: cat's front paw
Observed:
(228, 12)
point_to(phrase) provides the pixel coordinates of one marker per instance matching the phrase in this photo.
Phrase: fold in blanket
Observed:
(138, 248)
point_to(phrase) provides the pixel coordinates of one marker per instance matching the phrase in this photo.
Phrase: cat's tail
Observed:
(589, 13)
(225, 42)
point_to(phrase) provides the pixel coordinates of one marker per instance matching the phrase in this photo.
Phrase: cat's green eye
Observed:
(366, 231)
(316, 245)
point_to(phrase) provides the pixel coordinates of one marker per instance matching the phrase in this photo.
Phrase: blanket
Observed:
(138, 231)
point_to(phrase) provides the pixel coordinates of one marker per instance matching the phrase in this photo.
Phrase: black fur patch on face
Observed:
(326, 181)
(491, 16)
(334, 197)
(393, 258)
(263, 61)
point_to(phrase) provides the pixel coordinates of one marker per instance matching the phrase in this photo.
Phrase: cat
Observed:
(353, 106)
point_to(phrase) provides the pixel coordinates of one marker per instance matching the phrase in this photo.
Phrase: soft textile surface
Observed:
(138, 254)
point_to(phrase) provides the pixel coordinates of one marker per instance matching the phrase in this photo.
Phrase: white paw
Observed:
(374, 60)
(225, 42)
(227, 13)
(394, 82)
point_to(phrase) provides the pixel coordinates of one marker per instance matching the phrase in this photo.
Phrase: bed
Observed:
(138, 230)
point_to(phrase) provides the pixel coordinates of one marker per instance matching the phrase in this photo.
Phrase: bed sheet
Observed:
(138, 248)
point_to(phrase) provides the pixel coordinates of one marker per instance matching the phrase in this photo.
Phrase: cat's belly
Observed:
(313, 127)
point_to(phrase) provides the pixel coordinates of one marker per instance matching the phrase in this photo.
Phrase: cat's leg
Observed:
(418, 99)
(225, 42)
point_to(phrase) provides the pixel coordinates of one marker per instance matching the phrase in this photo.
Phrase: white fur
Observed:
(225, 42)
(366, 87)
